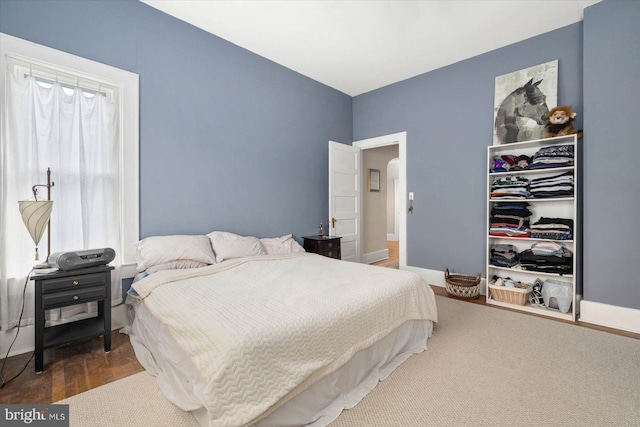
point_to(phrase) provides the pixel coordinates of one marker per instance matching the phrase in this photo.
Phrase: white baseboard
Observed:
(23, 344)
(611, 316)
(375, 256)
(25, 341)
(392, 237)
(436, 277)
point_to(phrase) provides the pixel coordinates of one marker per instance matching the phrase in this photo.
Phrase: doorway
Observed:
(400, 184)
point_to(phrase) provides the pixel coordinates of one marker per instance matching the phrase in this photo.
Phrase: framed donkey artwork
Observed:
(522, 103)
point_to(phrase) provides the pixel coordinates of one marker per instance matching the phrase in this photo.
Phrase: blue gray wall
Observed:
(228, 140)
(448, 115)
(612, 153)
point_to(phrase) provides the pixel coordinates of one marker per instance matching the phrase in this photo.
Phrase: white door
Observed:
(344, 198)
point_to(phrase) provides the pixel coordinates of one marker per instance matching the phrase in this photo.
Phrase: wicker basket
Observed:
(517, 296)
(461, 286)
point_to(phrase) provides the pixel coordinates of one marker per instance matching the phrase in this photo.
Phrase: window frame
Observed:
(106, 77)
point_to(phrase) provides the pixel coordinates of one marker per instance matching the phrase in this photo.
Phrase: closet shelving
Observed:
(560, 207)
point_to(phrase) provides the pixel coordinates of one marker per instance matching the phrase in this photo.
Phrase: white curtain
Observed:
(77, 136)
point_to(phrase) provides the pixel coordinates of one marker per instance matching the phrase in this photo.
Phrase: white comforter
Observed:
(262, 329)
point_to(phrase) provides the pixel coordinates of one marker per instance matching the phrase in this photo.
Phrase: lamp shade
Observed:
(35, 215)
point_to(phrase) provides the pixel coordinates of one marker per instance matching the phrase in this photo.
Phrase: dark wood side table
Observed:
(66, 288)
(328, 246)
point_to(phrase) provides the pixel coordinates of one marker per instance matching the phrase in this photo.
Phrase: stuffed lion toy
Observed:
(561, 122)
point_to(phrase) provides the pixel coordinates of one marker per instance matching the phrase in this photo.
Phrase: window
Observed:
(83, 123)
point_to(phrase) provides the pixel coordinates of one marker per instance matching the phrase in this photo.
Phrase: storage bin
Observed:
(461, 286)
(517, 296)
(557, 295)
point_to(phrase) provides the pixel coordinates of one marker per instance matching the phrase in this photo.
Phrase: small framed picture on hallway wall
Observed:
(374, 180)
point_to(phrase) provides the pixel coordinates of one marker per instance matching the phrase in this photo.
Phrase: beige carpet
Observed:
(484, 367)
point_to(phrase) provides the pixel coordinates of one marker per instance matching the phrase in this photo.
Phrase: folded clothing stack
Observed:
(548, 257)
(510, 219)
(554, 186)
(508, 162)
(553, 228)
(553, 157)
(512, 187)
(503, 255)
(508, 282)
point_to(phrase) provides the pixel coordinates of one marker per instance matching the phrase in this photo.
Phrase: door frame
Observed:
(397, 211)
(399, 139)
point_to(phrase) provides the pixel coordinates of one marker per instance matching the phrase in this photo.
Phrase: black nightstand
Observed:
(328, 246)
(65, 288)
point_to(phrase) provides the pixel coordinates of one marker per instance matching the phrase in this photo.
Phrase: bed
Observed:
(272, 338)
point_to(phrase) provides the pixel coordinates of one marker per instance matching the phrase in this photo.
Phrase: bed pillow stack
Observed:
(183, 251)
(177, 251)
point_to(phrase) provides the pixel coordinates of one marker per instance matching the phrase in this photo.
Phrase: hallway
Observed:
(394, 259)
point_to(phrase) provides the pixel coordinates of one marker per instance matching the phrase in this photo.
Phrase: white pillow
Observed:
(157, 250)
(281, 245)
(230, 245)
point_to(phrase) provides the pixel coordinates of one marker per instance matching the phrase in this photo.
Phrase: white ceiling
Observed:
(358, 46)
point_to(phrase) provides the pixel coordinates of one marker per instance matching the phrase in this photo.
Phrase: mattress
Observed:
(344, 321)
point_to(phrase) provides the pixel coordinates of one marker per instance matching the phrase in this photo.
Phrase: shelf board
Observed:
(530, 239)
(536, 143)
(533, 171)
(538, 273)
(69, 332)
(532, 309)
(545, 199)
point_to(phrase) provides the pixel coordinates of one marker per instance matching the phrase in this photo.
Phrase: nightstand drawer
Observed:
(330, 254)
(85, 294)
(327, 245)
(73, 282)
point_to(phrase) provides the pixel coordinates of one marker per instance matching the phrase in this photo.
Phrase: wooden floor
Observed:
(81, 366)
(69, 370)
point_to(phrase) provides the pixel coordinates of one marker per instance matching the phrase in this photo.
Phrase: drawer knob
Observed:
(75, 297)
(75, 282)
(330, 254)
(330, 245)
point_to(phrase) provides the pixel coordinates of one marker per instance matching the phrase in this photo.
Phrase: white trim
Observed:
(397, 203)
(376, 256)
(611, 316)
(24, 343)
(128, 83)
(392, 237)
(399, 139)
(436, 277)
